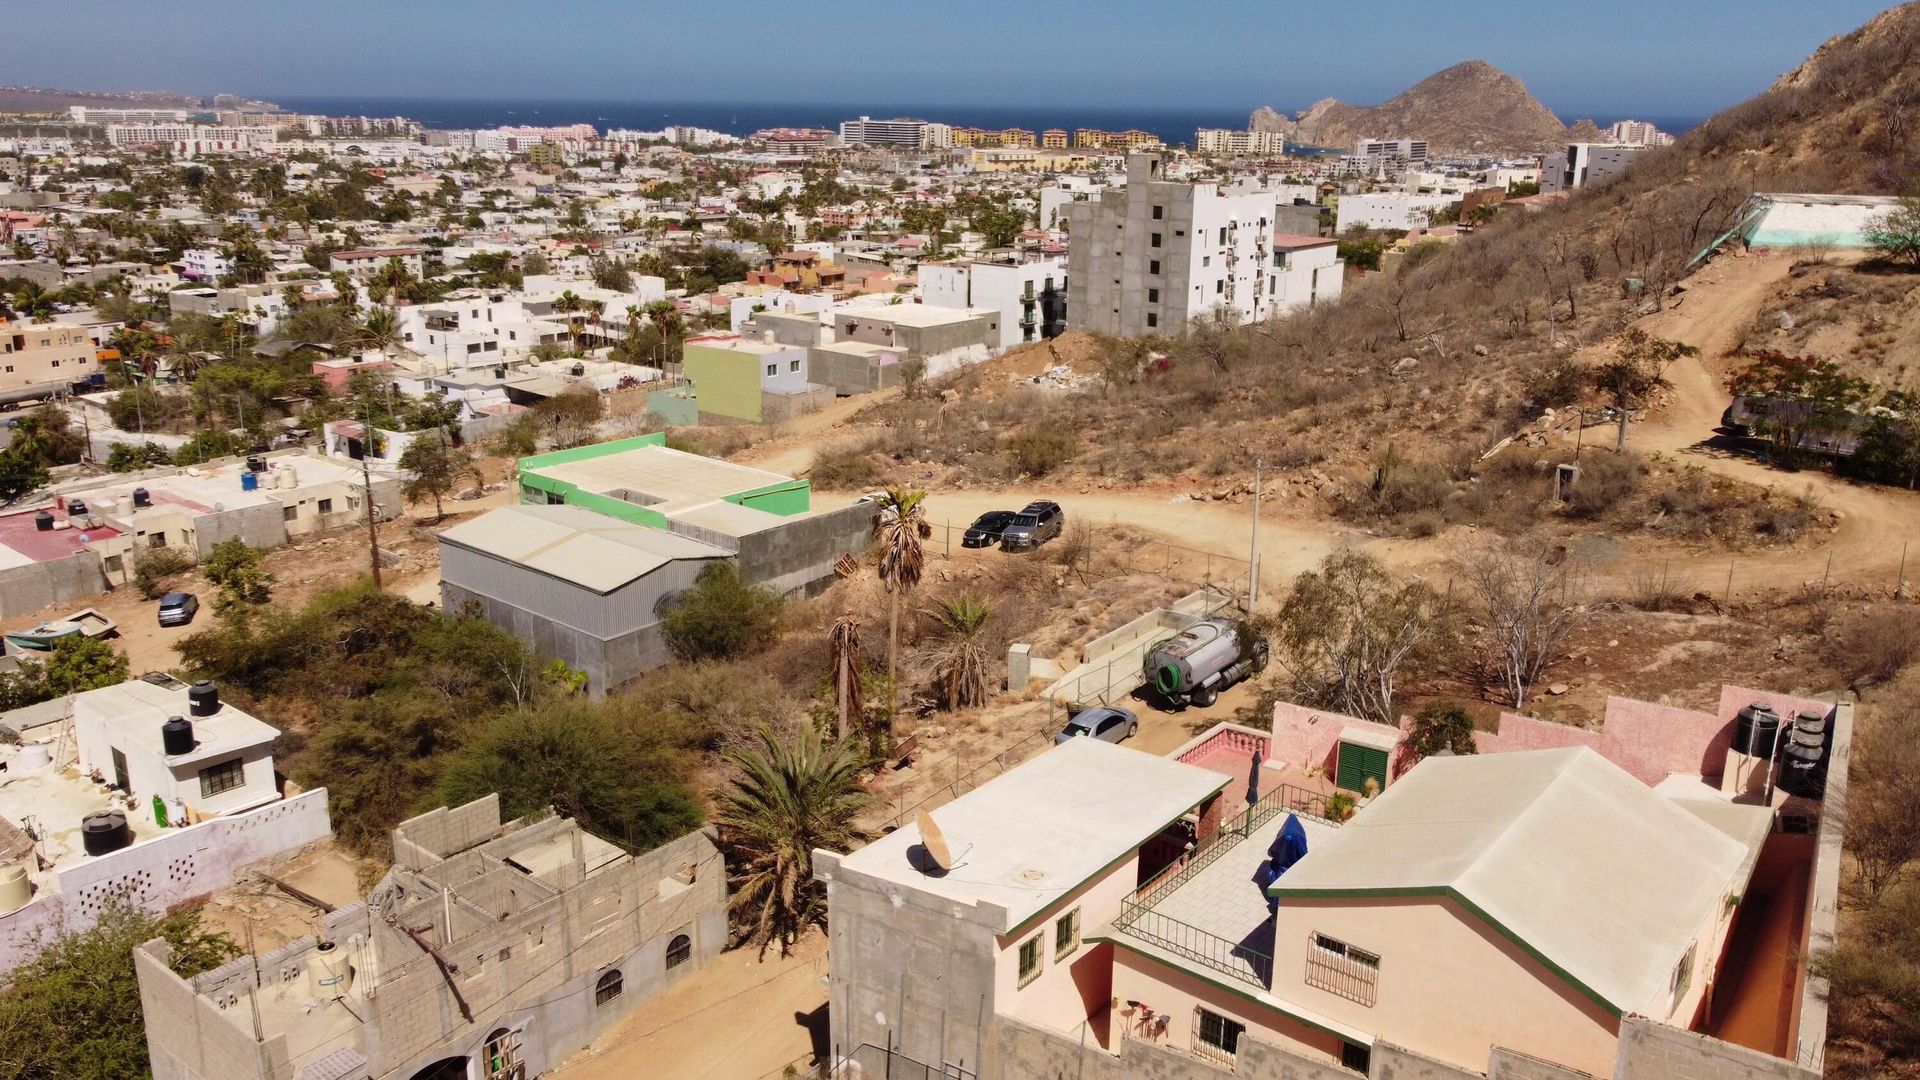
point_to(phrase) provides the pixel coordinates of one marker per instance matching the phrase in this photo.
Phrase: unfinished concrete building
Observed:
(489, 952)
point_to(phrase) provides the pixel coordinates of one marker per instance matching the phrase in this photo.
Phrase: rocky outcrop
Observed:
(1469, 108)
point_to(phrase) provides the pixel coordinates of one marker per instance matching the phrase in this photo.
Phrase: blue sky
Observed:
(1660, 57)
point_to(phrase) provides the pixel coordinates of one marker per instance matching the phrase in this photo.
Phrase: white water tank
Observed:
(15, 887)
(329, 976)
(288, 477)
(33, 756)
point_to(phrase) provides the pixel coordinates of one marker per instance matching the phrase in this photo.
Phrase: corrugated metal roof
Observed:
(588, 549)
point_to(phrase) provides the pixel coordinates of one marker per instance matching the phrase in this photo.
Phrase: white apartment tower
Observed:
(899, 133)
(1146, 258)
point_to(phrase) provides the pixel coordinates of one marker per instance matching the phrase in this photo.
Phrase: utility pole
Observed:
(366, 492)
(1253, 556)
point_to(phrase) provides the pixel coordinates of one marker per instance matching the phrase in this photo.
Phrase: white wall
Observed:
(1388, 210)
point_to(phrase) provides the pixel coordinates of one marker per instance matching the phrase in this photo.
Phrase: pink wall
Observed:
(1057, 999)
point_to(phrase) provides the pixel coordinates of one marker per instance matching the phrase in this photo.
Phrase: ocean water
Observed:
(1173, 126)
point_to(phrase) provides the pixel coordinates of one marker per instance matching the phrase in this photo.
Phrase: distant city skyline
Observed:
(1659, 57)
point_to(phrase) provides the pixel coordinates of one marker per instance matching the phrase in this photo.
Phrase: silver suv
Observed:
(1038, 522)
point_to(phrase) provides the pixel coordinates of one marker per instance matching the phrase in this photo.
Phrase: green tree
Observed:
(723, 616)
(591, 762)
(793, 795)
(1895, 235)
(1348, 630)
(1441, 726)
(1796, 397)
(1637, 370)
(434, 469)
(73, 1011)
(79, 663)
(234, 568)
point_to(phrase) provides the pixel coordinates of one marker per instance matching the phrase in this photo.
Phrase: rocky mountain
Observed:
(1265, 119)
(1469, 107)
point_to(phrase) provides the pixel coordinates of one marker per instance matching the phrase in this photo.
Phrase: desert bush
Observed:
(722, 617)
(1037, 451)
(1653, 588)
(1607, 483)
(1875, 645)
(158, 568)
(847, 467)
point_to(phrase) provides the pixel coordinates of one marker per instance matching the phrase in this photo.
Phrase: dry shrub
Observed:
(1653, 588)
(1038, 451)
(848, 467)
(1607, 482)
(1875, 645)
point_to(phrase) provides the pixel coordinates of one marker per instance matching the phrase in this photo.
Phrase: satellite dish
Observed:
(933, 842)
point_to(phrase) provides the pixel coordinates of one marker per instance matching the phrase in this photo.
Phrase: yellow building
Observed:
(1053, 139)
(45, 352)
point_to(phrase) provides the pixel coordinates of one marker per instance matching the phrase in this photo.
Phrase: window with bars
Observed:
(1030, 960)
(679, 951)
(1216, 1038)
(1339, 968)
(1066, 934)
(607, 988)
(226, 776)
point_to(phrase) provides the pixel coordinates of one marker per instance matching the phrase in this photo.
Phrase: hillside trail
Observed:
(791, 449)
(1720, 301)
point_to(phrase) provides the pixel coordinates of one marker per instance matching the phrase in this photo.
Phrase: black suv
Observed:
(1039, 522)
(986, 529)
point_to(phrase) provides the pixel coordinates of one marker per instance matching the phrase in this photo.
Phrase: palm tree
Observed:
(665, 318)
(570, 305)
(959, 664)
(844, 641)
(379, 332)
(634, 315)
(391, 279)
(900, 524)
(791, 797)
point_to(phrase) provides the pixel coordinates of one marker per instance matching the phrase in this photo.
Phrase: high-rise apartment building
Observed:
(1404, 151)
(899, 133)
(1146, 258)
(1239, 143)
(1585, 164)
(1638, 133)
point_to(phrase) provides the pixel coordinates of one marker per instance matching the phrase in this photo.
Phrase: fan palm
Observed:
(665, 318)
(959, 663)
(844, 641)
(900, 524)
(792, 796)
(570, 304)
(379, 332)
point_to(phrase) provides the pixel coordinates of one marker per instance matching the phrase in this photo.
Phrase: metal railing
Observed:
(868, 1060)
(1138, 919)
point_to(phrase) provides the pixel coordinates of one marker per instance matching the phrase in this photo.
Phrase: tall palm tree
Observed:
(844, 641)
(665, 318)
(959, 664)
(391, 280)
(379, 331)
(792, 796)
(634, 315)
(570, 304)
(900, 524)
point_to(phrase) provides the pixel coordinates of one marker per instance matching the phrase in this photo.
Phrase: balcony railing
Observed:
(1139, 920)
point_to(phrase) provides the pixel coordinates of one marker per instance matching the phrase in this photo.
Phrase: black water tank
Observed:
(257, 464)
(43, 521)
(141, 499)
(176, 736)
(1755, 730)
(104, 830)
(203, 699)
(76, 508)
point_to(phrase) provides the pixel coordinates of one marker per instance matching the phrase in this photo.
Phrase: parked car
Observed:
(1038, 522)
(178, 608)
(986, 529)
(1104, 722)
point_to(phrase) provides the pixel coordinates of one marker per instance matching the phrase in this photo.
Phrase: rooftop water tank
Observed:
(203, 699)
(141, 499)
(328, 974)
(176, 736)
(249, 481)
(105, 830)
(43, 521)
(15, 887)
(33, 757)
(76, 508)
(1755, 730)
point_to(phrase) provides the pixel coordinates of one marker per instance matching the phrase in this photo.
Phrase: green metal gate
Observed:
(1359, 762)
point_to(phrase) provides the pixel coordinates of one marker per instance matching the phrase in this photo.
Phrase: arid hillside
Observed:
(1469, 107)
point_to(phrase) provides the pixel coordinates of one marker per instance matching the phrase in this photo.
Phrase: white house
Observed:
(1305, 270)
(178, 750)
(1389, 210)
(1029, 293)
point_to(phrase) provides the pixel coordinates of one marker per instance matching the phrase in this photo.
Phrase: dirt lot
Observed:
(739, 1018)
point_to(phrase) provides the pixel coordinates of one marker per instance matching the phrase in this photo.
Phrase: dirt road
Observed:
(791, 450)
(1875, 521)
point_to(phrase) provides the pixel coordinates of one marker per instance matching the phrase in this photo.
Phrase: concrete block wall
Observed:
(1390, 1062)
(442, 831)
(25, 589)
(1504, 1064)
(1651, 1051)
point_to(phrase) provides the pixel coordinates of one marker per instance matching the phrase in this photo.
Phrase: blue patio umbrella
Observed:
(1253, 779)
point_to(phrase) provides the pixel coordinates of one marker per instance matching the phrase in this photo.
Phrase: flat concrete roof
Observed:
(589, 549)
(1027, 838)
(135, 709)
(729, 519)
(675, 480)
(918, 315)
(1560, 849)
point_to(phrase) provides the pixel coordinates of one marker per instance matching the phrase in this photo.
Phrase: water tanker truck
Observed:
(1196, 664)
